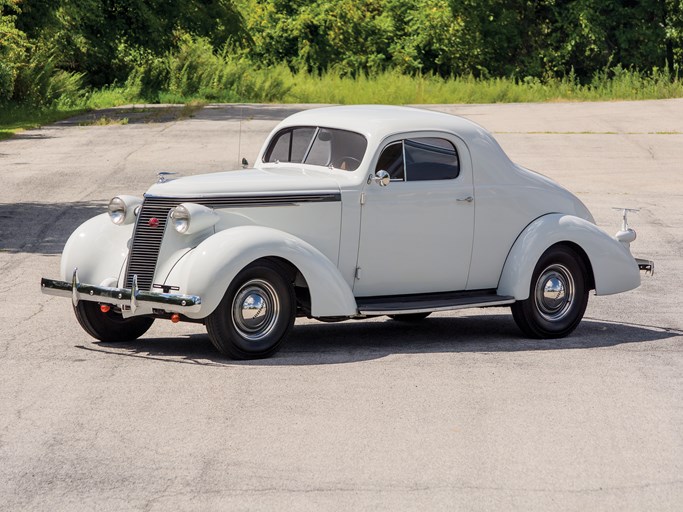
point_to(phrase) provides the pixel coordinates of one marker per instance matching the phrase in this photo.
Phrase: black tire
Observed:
(264, 293)
(110, 327)
(410, 317)
(558, 295)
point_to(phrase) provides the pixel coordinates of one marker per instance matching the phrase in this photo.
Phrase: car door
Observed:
(416, 232)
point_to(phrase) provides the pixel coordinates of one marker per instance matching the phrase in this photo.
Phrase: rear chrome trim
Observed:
(647, 266)
(125, 297)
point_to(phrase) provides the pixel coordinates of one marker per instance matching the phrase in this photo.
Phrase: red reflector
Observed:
(175, 318)
(105, 308)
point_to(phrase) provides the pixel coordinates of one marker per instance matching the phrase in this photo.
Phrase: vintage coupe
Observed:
(349, 212)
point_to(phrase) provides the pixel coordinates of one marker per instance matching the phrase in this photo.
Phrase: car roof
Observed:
(379, 121)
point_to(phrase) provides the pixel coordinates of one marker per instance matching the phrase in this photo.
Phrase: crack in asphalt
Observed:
(429, 488)
(672, 330)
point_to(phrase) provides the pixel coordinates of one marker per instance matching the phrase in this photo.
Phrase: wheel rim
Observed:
(555, 292)
(255, 309)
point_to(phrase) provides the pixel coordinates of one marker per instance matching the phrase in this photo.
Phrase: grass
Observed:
(225, 80)
(105, 121)
(191, 108)
(394, 88)
(15, 118)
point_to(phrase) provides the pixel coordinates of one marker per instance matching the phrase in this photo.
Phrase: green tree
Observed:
(105, 38)
(347, 35)
(13, 46)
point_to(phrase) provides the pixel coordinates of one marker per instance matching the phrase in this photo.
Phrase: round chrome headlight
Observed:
(180, 218)
(124, 209)
(188, 218)
(117, 210)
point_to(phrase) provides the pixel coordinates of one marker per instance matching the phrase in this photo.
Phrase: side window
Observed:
(290, 145)
(391, 160)
(431, 158)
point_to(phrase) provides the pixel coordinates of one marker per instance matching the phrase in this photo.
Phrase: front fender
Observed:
(614, 269)
(99, 248)
(209, 268)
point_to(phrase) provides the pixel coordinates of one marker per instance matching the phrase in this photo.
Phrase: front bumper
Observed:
(127, 298)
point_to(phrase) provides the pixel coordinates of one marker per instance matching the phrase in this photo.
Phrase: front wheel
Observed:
(256, 313)
(557, 298)
(110, 327)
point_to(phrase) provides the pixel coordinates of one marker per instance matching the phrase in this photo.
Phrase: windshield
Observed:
(312, 145)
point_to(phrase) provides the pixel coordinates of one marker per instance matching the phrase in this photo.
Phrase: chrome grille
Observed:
(147, 241)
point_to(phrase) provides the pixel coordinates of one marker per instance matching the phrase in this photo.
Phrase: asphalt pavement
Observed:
(458, 412)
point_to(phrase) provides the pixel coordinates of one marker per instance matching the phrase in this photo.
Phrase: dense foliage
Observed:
(53, 50)
(459, 37)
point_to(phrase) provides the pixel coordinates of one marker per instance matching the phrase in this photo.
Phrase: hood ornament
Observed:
(164, 176)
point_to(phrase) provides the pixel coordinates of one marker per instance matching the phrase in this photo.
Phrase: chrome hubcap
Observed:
(255, 309)
(554, 292)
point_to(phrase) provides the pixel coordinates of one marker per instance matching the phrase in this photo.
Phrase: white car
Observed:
(349, 212)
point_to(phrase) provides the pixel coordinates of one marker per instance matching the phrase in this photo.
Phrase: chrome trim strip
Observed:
(440, 308)
(121, 296)
(251, 201)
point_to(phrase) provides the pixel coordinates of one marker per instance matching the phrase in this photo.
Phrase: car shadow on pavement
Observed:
(157, 114)
(355, 341)
(43, 228)
(245, 112)
(32, 134)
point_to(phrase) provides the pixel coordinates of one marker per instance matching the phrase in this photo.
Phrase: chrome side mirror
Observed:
(382, 178)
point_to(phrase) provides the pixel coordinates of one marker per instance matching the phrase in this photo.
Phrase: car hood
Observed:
(283, 180)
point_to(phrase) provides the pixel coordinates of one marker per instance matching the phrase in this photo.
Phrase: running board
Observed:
(425, 303)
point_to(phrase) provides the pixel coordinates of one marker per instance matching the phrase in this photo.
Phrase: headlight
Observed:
(124, 209)
(181, 219)
(190, 218)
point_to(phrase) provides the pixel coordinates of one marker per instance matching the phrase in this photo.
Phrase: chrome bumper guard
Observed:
(647, 266)
(127, 298)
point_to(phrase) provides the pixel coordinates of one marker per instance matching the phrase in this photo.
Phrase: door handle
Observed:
(467, 199)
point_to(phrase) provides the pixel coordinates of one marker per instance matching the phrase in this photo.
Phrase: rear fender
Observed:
(209, 268)
(614, 269)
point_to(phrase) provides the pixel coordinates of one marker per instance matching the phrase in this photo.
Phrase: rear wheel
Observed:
(256, 313)
(110, 326)
(557, 297)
